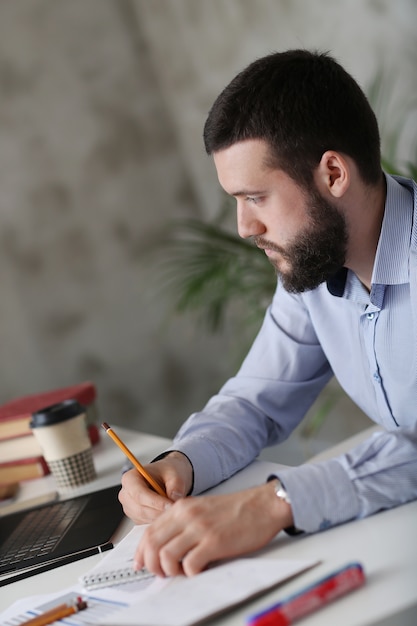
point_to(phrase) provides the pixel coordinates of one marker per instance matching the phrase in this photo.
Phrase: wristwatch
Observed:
(280, 491)
(283, 495)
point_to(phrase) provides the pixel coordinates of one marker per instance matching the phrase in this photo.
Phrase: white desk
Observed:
(385, 544)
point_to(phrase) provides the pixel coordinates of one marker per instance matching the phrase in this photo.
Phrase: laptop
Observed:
(46, 536)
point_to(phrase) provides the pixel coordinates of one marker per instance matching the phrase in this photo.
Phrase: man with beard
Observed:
(296, 143)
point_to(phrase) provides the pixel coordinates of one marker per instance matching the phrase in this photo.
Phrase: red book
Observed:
(24, 469)
(16, 414)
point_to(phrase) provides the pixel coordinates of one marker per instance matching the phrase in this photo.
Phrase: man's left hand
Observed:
(196, 531)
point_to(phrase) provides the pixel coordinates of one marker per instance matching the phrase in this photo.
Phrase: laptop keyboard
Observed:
(44, 527)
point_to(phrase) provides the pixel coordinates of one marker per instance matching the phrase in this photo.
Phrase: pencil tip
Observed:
(105, 426)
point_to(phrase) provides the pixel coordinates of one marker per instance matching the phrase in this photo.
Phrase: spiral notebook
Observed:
(187, 601)
(119, 569)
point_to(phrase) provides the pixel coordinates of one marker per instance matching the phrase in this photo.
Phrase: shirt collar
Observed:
(391, 265)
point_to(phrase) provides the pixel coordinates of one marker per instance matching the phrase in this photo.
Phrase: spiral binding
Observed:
(113, 578)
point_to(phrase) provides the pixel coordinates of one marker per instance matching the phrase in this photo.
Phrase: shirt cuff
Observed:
(322, 495)
(203, 457)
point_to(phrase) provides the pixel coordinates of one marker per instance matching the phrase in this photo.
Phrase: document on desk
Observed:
(186, 601)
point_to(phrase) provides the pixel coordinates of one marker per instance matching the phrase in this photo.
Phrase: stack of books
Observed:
(20, 454)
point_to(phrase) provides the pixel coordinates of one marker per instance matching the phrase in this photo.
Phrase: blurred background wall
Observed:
(102, 104)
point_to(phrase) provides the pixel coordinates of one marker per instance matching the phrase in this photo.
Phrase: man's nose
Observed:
(248, 224)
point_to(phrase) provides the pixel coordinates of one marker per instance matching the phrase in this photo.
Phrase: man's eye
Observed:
(253, 199)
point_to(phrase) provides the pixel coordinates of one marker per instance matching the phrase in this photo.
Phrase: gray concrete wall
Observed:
(197, 46)
(102, 104)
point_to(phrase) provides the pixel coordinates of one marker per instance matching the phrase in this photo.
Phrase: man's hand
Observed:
(195, 531)
(174, 473)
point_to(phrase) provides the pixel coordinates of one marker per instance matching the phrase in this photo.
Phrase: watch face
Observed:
(281, 493)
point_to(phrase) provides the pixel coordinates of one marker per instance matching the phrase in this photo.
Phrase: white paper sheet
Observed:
(188, 600)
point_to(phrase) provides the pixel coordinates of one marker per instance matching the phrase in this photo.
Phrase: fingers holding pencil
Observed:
(140, 503)
(146, 475)
(143, 505)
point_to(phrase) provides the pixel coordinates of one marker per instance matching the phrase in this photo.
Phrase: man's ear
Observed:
(333, 173)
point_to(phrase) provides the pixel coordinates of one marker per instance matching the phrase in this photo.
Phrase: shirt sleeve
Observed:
(378, 474)
(277, 383)
(281, 377)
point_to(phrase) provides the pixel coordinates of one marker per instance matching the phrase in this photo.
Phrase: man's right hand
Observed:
(140, 502)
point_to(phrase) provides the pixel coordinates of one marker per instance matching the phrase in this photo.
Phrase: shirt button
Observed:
(377, 377)
(370, 316)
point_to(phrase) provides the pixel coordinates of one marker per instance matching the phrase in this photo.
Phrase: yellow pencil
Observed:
(56, 614)
(152, 482)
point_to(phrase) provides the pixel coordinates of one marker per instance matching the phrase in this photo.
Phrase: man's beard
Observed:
(317, 252)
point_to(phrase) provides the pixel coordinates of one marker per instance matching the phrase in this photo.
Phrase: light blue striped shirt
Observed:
(369, 342)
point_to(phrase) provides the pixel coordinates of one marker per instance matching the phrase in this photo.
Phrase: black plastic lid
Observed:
(56, 413)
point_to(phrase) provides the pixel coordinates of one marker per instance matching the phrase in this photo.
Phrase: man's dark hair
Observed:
(301, 103)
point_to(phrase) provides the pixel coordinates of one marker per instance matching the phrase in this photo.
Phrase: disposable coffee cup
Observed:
(63, 437)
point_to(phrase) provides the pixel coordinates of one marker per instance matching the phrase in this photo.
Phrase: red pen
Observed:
(312, 598)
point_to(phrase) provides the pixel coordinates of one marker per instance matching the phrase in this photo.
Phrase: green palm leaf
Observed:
(209, 269)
